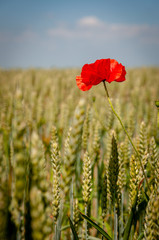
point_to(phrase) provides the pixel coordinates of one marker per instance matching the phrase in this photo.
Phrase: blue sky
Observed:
(58, 33)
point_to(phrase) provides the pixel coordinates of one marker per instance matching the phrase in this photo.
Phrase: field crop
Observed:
(64, 155)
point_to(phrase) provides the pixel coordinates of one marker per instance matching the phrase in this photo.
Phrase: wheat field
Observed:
(64, 154)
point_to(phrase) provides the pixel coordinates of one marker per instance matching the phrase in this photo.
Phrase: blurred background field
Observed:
(56, 149)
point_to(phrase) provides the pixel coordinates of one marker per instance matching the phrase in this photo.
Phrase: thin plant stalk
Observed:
(110, 215)
(122, 216)
(71, 205)
(85, 211)
(106, 90)
(115, 224)
(103, 229)
(55, 236)
(59, 221)
(19, 232)
(97, 205)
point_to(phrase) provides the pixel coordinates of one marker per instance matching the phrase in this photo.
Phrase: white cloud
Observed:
(91, 27)
(90, 21)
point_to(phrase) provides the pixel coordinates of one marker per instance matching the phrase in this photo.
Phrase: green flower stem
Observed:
(85, 211)
(106, 90)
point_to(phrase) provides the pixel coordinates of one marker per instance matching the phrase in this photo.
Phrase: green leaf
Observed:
(141, 236)
(96, 226)
(130, 219)
(73, 230)
(109, 230)
(65, 227)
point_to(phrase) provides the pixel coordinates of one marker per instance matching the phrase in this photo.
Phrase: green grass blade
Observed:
(73, 230)
(141, 236)
(96, 226)
(130, 220)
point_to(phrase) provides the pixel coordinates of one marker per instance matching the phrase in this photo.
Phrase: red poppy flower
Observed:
(108, 70)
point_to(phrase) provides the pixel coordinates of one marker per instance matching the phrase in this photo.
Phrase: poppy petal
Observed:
(116, 70)
(122, 77)
(81, 85)
(90, 74)
(104, 69)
